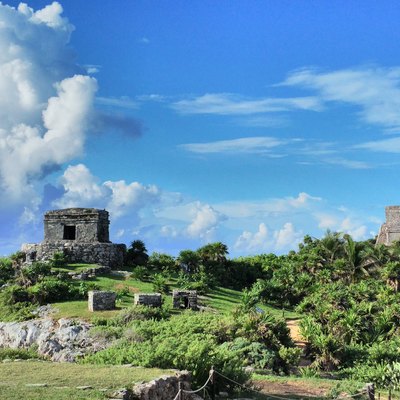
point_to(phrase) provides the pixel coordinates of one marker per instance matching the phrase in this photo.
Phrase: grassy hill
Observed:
(219, 299)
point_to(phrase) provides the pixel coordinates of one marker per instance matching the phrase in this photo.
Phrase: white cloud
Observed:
(119, 102)
(343, 222)
(283, 239)
(205, 220)
(130, 197)
(45, 101)
(25, 151)
(82, 189)
(244, 209)
(230, 104)
(241, 145)
(287, 237)
(352, 164)
(391, 145)
(376, 91)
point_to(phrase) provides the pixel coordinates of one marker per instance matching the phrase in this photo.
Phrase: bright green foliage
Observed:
(21, 354)
(59, 260)
(196, 341)
(160, 262)
(7, 271)
(160, 284)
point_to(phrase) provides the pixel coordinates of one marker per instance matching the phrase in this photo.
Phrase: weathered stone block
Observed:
(101, 300)
(184, 299)
(148, 299)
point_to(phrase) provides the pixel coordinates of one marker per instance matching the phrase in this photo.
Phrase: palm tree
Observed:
(353, 254)
(137, 253)
(332, 246)
(189, 261)
(214, 252)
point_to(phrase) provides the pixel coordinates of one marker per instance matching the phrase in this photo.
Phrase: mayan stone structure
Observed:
(81, 234)
(148, 299)
(101, 300)
(390, 230)
(184, 299)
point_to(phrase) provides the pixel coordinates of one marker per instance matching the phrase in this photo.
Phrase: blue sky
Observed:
(247, 122)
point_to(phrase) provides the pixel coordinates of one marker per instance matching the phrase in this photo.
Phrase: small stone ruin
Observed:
(101, 300)
(81, 234)
(390, 230)
(184, 299)
(148, 299)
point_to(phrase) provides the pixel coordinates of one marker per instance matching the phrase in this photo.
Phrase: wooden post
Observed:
(370, 391)
(180, 390)
(213, 389)
(390, 394)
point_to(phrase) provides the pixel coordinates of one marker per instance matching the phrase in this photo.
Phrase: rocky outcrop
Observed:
(62, 340)
(164, 388)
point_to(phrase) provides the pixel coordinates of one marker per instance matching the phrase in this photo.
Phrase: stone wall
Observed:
(90, 225)
(101, 300)
(184, 299)
(390, 230)
(108, 254)
(148, 299)
(164, 388)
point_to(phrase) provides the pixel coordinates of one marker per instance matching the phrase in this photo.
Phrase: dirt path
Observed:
(293, 325)
(293, 388)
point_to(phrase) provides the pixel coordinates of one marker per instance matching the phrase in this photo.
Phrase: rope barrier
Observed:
(198, 390)
(353, 395)
(213, 371)
(253, 390)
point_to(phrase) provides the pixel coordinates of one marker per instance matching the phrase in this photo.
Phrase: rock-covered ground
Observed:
(61, 340)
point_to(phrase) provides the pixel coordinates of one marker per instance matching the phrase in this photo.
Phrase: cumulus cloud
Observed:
(82, 189)
(344, 223)
(283, 239)
(45, 101)
(26, 151)
(205, 220)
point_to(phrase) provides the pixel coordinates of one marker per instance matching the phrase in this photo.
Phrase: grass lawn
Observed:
(74, 267)
(63, 378)
(221, 299)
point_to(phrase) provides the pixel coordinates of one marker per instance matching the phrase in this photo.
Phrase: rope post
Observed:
(180, 391)
(370, 387)
(212, 379)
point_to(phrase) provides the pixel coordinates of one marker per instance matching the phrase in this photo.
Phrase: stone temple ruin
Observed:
(81, 234)
(184, 299)
(390, 230)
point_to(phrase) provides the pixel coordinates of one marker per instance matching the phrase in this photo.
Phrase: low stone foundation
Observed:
(164, 388)
(184, 299)
(108, 254)
(101, 300)
(148, 299)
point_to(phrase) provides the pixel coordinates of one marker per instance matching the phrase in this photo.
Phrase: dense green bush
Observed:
(160, 284)
(196, 341)
(7, 271)
(51, 289)
(21, 354)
